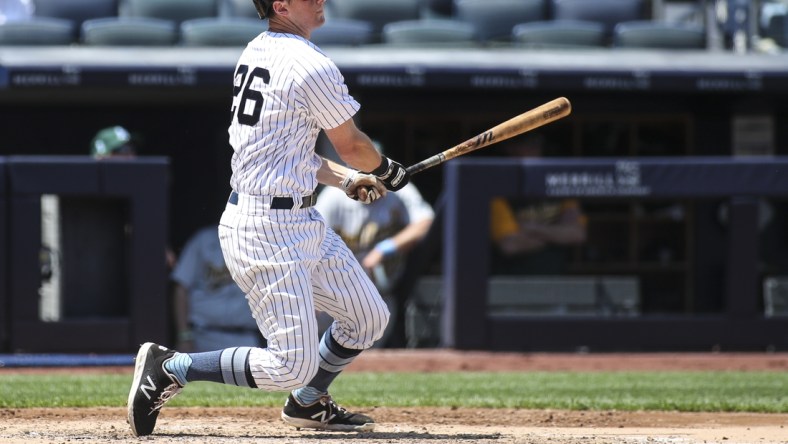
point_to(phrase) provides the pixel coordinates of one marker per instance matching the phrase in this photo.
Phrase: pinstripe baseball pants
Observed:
(289, 263)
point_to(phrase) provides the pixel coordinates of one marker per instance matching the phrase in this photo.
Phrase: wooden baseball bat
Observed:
(527, 121)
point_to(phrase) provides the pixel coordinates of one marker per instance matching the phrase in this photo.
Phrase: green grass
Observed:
(680, 391)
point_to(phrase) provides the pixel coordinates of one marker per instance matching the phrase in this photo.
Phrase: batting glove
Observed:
(393, 175)
(364, 188)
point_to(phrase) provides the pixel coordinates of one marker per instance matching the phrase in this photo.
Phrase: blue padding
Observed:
(64, 360)
(655, 177)
(53, 174)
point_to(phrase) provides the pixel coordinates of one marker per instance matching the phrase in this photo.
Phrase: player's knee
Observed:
(386, 316)
(293, 369)
(300, 372)
(382, 322)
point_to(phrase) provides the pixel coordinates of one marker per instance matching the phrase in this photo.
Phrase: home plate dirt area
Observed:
(431, 425)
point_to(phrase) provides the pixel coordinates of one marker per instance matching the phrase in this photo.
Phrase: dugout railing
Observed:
(3, 257)
(466, 322)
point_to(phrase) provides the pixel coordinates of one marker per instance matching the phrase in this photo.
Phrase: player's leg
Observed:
(271, 258)
(290, 361)
(343, 290)
(280, 299)
(270, 254)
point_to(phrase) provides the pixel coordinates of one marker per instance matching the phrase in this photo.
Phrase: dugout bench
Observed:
(113, 295)
(467, 322)
(548, 295)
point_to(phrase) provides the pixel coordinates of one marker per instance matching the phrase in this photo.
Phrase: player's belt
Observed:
(282, 203)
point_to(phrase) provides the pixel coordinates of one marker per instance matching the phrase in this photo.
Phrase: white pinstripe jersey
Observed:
(285, 90)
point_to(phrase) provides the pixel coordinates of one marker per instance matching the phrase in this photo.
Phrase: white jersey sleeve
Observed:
(327, 95)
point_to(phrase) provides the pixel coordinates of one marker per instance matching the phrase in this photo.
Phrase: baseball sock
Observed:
(229, 366)
(179, 365)
(333, 359)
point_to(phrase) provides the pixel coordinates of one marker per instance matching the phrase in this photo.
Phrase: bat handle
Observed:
(426, 163)
(416, 168)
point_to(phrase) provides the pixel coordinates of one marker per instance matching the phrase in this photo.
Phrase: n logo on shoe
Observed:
(144, 388)
(321, 416)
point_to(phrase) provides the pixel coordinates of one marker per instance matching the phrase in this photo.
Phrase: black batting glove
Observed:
(393, 175)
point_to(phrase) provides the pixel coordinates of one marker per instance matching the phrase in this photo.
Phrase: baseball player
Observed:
(530, 237)
(276, 245)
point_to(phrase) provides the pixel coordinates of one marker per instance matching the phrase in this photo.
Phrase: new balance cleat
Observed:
(325, 414)
(151, 388)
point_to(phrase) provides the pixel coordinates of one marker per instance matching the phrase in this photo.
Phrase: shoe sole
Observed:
(300, 423)
(135, 383)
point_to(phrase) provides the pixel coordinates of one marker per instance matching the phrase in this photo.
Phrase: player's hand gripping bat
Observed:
(534, 118)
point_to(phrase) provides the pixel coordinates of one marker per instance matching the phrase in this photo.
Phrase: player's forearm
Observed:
(559, 234)
(365, 188)
(361, 156)
(331, 173)
(400, 243)
(354, 147)
(409, 236)
(519, 243)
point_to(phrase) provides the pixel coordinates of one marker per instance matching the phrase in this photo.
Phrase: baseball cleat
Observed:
(151, 388)
(325, 414)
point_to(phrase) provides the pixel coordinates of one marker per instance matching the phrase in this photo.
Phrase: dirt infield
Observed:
(435, 426)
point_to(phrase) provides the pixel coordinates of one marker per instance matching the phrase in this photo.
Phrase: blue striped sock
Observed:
(235, 370)
(307, 395)
(333, 359)
(178, 366)
(205, 367)
(229, 366)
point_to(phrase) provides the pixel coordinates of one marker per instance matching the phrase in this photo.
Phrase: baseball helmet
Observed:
(112, 140)
(263, 7)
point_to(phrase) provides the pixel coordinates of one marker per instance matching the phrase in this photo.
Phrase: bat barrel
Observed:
(527, 121)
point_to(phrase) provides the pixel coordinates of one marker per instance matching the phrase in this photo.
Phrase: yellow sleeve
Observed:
(502, 220)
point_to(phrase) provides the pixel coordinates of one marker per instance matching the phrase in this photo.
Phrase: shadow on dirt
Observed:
(350, 437)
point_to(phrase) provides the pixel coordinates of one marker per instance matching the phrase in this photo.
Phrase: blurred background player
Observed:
(532, 237)
(211, 311)
(379, 234)
(113, 142)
